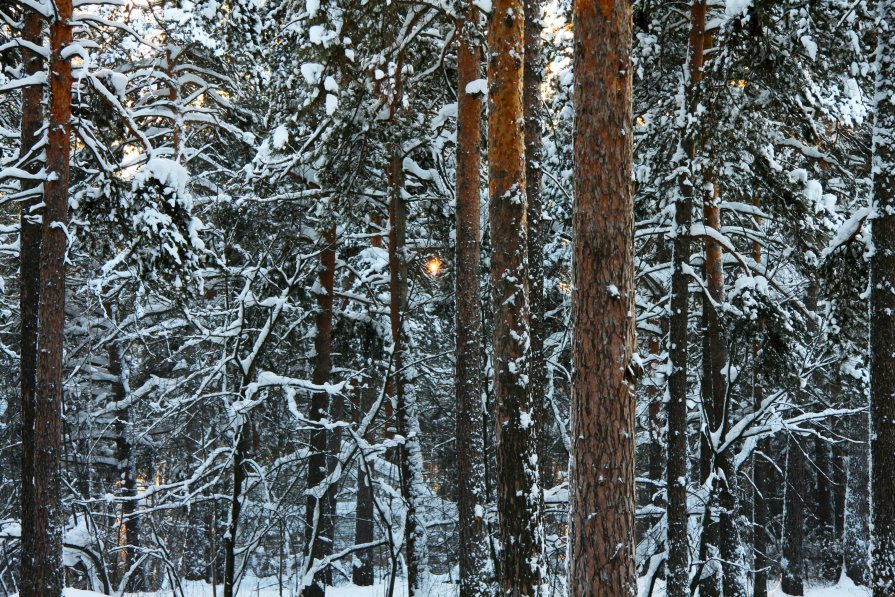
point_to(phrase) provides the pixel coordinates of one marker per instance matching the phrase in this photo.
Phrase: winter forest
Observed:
(448, 298)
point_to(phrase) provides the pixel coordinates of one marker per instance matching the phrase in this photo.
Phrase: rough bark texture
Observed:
(760, 521)
(793, 567)
(716, 406)
(519, 493)
(475, 568)
(856, 539)
(407, 423)
(677, 576)
(46, 575)
(840, 482)
(882, 312)
(601, 474)
(318, 539)
(830, 557)
(532, 72)
(362, 573)
(29, 277)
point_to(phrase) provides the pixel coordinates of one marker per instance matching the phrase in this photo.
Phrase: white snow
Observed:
(483, 5)
(440, 587)
(332, 104)
(810, 46)
(315, 34)
(477, 87)
(311, 71)
(119, 83)
(846, 231)
(844, 588)
(168, 172)
(280, 137)
(735, 8)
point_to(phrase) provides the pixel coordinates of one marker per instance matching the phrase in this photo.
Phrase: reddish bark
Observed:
(519, 493)
(45, 529)
(601, 475)
(474, 562)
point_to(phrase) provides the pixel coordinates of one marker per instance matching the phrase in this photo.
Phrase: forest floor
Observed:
(269, 587)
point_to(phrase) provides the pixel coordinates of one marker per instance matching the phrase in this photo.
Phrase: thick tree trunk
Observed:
(760, 521)
(43, 533)
(882, 311)
(840, 482)
(29, 284)
(519, 493)
(830, 557)
(677, 576)
(318, 535)
(856, 538)
(476, 572)
(601, 467)
(409, 455)
(532, 72)
(717, 411)
(362, 569)
(793, 565)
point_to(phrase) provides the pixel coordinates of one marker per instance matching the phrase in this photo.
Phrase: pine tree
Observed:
(882, 307)
(475, 567)
(532, 76)
(601, 476)
(46, 529)
(678, 460)
(519, 493)
(793, 565)
(318, 517)
(32, 119)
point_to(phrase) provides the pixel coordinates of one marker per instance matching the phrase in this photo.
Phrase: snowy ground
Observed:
(270, 588)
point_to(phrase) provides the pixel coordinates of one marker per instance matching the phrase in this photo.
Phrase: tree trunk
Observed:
(43, 533)
(362, 569)
(677, 575)
(840, 480)
(762, 469)
(882, 311)
(711, 576)
(793, 565)
(519, 493)
(856, 539)
(29, 285)
(601, 466)
(760, 520)
(718, 411)
(476, 572)
(130, 525)
(407, 423)
(318, 535)
(532, 72)
(830, 558)
(241, 449)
